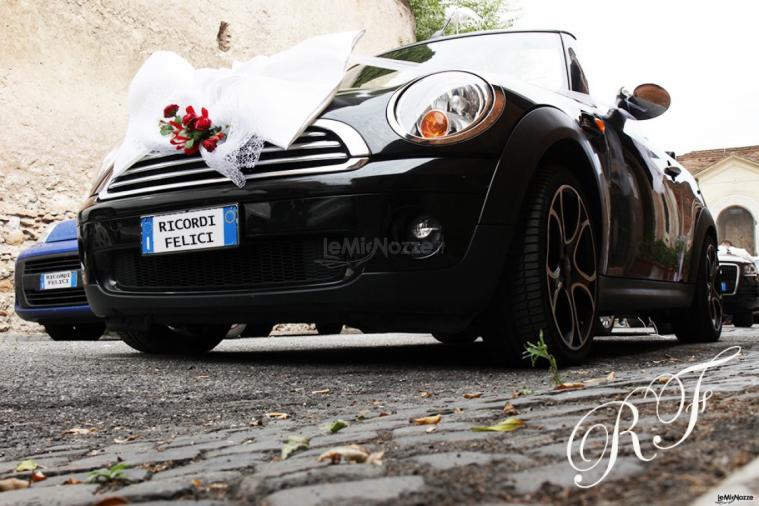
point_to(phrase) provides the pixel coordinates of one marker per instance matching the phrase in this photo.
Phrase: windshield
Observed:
(534, 57)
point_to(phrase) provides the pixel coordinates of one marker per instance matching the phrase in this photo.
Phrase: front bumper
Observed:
(746, 297)
(284, 223)
(50, 306)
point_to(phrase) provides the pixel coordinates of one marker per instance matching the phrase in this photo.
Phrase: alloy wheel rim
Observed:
(571, 271)
(714, 297)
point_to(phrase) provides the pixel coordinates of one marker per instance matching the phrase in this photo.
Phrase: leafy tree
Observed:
(430, 15)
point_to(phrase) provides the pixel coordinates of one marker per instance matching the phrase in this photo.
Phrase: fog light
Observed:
(422, 228)
(426, 237)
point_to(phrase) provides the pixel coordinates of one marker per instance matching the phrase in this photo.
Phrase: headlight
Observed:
(444, 108)
(104, 173)
(749, 270)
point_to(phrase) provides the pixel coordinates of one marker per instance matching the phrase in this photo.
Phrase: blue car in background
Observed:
(49, 288)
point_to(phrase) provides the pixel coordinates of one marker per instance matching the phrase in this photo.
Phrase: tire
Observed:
(257, 330)
(328, 328)
(604, 326)
(465, 337)
(663, 328)
(533, 296)
(745, 319)
(80, 332)
(186, 340)
(702, 321)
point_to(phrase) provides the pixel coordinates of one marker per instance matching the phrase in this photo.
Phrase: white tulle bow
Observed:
(266, 99)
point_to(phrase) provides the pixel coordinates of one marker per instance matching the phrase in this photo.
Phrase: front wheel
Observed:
(328, 328)
(184, 340)
(551, 281)
(77, 332)
(465, 337)
(702, 321)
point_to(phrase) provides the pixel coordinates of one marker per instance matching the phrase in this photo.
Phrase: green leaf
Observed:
(335, 426)
(509, 424)
(26, 465)
(189, 144)
(293, 445)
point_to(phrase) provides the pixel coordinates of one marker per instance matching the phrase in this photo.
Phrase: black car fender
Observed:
(546, 134)
(704, 228)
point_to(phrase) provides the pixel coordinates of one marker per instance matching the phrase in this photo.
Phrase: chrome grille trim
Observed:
(344, 150)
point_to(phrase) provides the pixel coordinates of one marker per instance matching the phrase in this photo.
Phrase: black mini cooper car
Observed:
(480, 191)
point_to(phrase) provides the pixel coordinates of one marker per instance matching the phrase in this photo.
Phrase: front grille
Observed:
(728, 278)
(325, 147)
(62, 297)
(256, 264)
(50, 298)
(55, 264)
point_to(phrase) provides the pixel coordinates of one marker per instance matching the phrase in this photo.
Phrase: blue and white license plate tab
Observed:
(56, 280)
(190, 230)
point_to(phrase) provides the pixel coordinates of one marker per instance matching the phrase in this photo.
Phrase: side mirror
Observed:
(647, 101)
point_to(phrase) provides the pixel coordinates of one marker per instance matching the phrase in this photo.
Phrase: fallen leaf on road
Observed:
(510, 410)
(521, 393)
(128, 439)
(38, 476)
(112, 501)
(472, 396)
(72, 481)
(277, 416)
(375, 458)
(197, 484)
(79, 431)
(256, 422)
(217, 487)
(431, 429)
(383, 413)
(457, 410)
(13, 484)
(427, 420)
(26, 465)
(569, 386)
(324, 391)
(351, 453)
(425, 395)
(600, 381)
(335, 426)
(293, 445)
(611, 376)
(507, 425)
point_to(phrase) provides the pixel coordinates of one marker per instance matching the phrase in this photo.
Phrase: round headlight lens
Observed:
(443, 107)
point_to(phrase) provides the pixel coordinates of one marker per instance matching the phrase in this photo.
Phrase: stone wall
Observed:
(65, 66)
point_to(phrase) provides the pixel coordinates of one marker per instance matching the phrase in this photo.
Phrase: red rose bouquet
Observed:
(190, 132)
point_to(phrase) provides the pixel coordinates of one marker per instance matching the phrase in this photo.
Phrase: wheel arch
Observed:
(705, 227)
(546, 135)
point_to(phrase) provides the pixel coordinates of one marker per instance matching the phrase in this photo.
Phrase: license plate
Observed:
(53, 280)
(190, 230)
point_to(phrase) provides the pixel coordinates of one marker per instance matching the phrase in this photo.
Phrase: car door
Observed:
(652, 208)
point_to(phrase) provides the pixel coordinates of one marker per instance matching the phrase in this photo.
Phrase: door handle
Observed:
(672, 171)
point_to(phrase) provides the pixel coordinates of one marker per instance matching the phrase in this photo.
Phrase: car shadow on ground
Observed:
(428, 355)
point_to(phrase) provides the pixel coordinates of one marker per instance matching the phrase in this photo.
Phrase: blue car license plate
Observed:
(196, 229)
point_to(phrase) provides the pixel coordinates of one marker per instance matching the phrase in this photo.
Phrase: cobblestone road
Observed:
(196, 431)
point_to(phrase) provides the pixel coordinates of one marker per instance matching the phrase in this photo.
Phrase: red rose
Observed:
(170, 110)
(203, 123)
(209, 144)
(189, 118)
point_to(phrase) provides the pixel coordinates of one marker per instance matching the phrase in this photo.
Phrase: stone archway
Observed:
(737, 225)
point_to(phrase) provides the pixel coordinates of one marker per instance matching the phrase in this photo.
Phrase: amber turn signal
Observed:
(433, 124)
